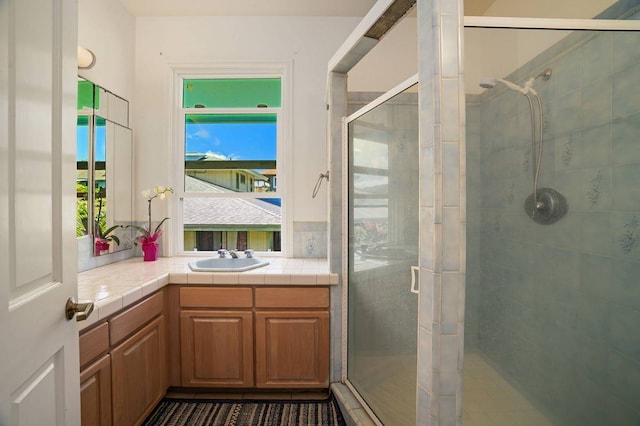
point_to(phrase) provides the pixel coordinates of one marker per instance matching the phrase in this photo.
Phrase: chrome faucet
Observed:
(233, 253)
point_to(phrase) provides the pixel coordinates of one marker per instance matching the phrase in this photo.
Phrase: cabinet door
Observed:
(95, 393)
(292, 349)
(139, 374)
(217, 348)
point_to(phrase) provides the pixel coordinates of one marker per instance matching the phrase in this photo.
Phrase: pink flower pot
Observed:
(101, 246)
(150, 251)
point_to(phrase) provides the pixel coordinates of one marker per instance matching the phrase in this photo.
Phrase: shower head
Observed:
(488, 83)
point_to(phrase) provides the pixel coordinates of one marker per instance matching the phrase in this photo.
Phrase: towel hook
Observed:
(319, 183)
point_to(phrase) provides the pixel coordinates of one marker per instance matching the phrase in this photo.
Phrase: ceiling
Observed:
(248, 7)
(477, 7)
(267, 8)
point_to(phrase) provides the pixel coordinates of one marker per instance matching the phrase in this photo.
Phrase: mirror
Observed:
(104, 150)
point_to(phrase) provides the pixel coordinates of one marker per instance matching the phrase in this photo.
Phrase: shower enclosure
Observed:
(383, 248)
(552, 310)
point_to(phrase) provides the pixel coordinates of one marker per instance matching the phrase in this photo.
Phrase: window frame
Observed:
(283, 142)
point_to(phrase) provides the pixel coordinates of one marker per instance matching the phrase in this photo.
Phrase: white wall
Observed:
(394, 59)
(306, 42)
(107, 29)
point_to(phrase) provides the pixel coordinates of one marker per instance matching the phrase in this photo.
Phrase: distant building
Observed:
(231, 223)
(271, 175)
(233, 179)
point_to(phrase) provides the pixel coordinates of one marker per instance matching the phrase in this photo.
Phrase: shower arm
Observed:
(536, 139)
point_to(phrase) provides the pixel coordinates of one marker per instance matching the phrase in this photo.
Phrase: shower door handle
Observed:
(414, 270)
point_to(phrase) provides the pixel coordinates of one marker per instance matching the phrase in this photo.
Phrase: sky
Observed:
(239, 141)
(82, 143)
(234, 141)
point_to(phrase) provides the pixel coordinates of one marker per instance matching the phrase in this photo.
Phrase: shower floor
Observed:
(489, 400)
(389, 382)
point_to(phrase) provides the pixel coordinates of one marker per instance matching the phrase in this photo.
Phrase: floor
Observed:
(182, 393)
(387, 383)
(489, 400)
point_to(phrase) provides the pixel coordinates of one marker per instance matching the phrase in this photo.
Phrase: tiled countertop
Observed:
(118, 285)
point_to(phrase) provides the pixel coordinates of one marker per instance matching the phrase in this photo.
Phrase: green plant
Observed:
(82, 211)
(102, 233)
(147, 236)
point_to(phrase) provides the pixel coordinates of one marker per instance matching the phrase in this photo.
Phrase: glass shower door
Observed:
(383, 247)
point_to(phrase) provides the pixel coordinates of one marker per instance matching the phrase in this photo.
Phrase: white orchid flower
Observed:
(146, 193)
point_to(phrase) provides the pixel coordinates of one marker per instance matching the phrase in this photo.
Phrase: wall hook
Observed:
(319, 183)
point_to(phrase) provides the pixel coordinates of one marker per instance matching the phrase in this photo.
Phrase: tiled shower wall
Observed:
(556, 308)
(442, 213)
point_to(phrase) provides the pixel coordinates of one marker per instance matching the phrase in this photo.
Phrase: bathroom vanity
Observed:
(162, 325)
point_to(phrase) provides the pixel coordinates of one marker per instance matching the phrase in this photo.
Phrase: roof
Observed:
(226, 211)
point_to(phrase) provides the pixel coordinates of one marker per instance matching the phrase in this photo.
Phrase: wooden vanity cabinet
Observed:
(217, 348)
(138, 374)
(95, 393)
(216, 335)
(292, 337)
(138, 360)
(289, 325)
(95, 377)
(123, 371)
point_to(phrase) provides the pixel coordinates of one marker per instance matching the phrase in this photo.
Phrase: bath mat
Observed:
(217, 412)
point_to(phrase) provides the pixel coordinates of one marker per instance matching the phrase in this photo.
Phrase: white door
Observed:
(39, 377)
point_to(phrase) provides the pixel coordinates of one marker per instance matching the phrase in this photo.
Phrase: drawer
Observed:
(216, 297)
(122, 325)
(292, 297)
(93, 343)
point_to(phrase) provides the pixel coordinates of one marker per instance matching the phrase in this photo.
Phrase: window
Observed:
(231, 144)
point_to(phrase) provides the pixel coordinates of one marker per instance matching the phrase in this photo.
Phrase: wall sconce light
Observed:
(86, 58)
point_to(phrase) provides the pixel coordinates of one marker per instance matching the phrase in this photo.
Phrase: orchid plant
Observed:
(148, 236)
(103, 235)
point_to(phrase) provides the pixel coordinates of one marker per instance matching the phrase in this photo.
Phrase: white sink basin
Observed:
(226, 264)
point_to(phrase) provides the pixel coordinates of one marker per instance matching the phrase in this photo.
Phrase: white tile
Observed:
(449, 301)
(450, 235)
(226, 278)
(132, 295)
(323, 279)
(427, 238)
(450, 171)
(163, 280)
(109, 306)
(303, 279)
(199, 278)
(94, 317)
(149, 287)
(251, 279)
(178, 278)
(425, 369)
(425, 318)
(277, 279)
(449, 51)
